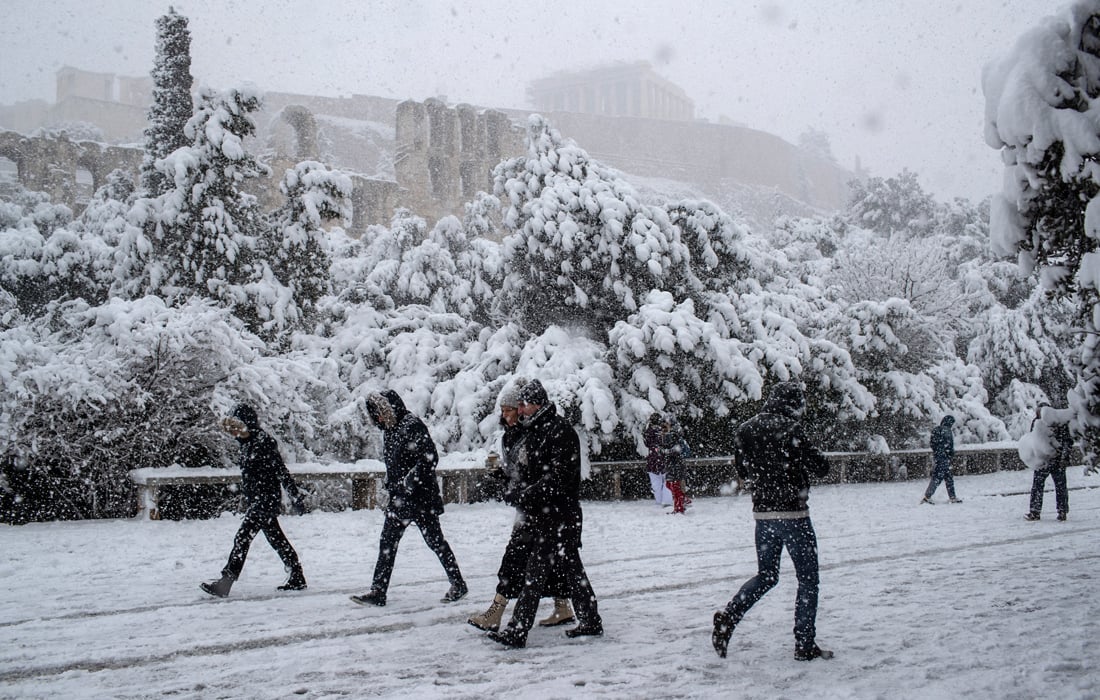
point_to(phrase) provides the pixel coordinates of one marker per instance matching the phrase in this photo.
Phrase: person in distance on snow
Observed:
(548, 499)
(411, 458)
(263, 476)
(655, 461)
(774, 456)
(1055, 468)
(942, 443)
(512, 564)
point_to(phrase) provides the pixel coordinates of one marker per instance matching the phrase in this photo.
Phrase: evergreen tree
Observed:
(208, 224)
(1039, 115)
(172, 105)
(896, 205)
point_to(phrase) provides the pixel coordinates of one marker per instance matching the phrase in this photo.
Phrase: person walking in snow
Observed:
(548, 499)
(410, 456)
(263, 476)
(512, 564)
(672, 447)
(654, 438)
(942, 443)
(774, 456)
(1062, 442)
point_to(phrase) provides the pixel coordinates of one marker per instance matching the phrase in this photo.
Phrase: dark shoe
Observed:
(457, 591)
(585, 630)
(811, 652)
(373, 598)
(1061, 516)
(1031, 517)
(928, 500)
(296, 582)
(723, 630)
(510, 637)
(219, 588)
(956, 500)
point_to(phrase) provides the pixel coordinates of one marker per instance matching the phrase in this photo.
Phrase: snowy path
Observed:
(917, 601)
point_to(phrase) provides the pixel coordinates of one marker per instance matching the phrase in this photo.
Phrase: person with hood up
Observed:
(655, 461)
(774, 456)
(510, 573)
(942, 443)
(548, 500)
(1056, 427)
(263, 476)
(410, 456)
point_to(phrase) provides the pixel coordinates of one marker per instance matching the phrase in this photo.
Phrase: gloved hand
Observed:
(298, 507)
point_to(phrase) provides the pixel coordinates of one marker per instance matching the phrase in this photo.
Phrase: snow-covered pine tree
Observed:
(1038, 114)
(296, 247)
(207, 224)
(172, 105)
(582, 250)
(891, 206)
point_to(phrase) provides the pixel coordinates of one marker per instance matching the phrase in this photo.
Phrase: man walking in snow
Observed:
(773, 455)
(548, 500)
(942, 443)
(263, 476)
(411, 457)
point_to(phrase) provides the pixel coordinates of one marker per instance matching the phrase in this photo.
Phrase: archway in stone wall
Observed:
(293, 134)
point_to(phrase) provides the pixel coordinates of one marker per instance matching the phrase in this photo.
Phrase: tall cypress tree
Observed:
(172, 105)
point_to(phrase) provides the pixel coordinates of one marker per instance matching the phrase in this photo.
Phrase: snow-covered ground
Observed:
(949, 601)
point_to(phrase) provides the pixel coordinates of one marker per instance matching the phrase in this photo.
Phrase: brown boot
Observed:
(563, 614)
(490, 619)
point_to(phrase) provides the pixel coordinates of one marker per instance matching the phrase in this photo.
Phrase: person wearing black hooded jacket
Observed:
(547, 497)
(263, 476)
(410, 456)
(773, 454)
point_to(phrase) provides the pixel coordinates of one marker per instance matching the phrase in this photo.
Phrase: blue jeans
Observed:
(798, 536)
(941, 472)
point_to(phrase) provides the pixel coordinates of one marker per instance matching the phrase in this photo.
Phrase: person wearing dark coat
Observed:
(773, 454)
(263, 476)
(942, 443)
(410, 456)
(548, 501)
(512, 564)
(1055, 469)
(672, 445)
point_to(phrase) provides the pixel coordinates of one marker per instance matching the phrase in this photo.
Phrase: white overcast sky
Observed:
(895, 82)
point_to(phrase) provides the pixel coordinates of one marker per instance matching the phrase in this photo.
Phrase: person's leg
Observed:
(392, 530)
(677, 496)
(432, 532)
(1061, 491)
(584, 598)
(279, 542)
(241, 544)
(769, 547)
(933, 484)
(949, 482)
(1038, 481)
(801, 541)
(540, 562)
(660, 492)
(512, 563)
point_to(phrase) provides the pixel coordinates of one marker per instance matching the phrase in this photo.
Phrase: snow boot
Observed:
(219, 588)
(490, 619)
(457, 591)
(723, 630)
(1062, 516)
(811, 651)
(1032, 517)
(510, 637)
(585, 630)
(375, 597)
(563, 614)
(296, 582)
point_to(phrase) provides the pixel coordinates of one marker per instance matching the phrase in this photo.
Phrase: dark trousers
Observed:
(252, 524)
(546, 556)
(513, 568)
(798, 536)
(392, 531)
(1061, 492)
(941, 472)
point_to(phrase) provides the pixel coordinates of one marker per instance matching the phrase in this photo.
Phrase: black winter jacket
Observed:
(773, 453)
(550, 478)
(411, 459)
(263, 472)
